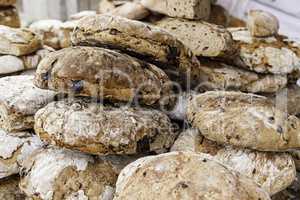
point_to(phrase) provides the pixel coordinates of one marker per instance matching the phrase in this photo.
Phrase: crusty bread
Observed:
(184, 176)
(274, 172)
(90, 127)
(203, 38)
(104, 74)
(56, 174)
(18, 42)
(243, 120)
(15, 148)
(7, 2)
(9, 189)
(19, 101)
(139, 39)
(189, 9)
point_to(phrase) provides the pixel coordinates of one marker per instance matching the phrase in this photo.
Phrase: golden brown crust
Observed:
(9, 17)
(102, 73)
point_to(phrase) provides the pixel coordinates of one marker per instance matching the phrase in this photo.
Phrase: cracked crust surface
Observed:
(274, 172)
(215, 75)
(139, 39)
(80, 124)
(203, 38)
(57, 174)
(18, 42)
(9, 189)
(189, 9)
(9, 17)
(265, 55)
(262, 24)
(19, 101)
(243, 120)
(15, 148)
(184, 176)
(104, 74)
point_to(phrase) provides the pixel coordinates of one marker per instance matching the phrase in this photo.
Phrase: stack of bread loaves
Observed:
(103, 107)
(9, 15)
(20, 50)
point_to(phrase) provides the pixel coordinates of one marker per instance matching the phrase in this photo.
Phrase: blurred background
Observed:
(288, 11)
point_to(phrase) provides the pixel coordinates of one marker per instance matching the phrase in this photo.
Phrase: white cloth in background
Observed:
(287, 11)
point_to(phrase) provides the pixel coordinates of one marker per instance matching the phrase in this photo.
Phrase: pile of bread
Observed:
(168, 107)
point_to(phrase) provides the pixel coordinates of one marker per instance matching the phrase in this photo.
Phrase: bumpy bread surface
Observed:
(243, 120)
(9, 189)
(265, 55)
(274, 172)
(189, 9)
(9, 17)
(105, 74)
(12, 64)
(203, 38)
(90, 127)
(262, 24)
(18, 42)
(19, 101)
(139, 39)
(214, 75)
(7, 2)
(184, 176)
(15, 148)
(57, 174)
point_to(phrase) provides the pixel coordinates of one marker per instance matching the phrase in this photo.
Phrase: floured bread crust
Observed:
(105, 74)
(9, 17)
(203, 38)
(19, 101)
(265, 55)
(15, 148)
(18, 42)
(80, 124)
(262, 24)
(243, 120)
(9, 189)
(215, 75)
(274, 172)
(56, 174)
(49, 32)
(11, 64)
(188, 9)
(139, 39)
(184, 176)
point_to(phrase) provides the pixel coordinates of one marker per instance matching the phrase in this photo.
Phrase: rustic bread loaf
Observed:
(262, 24)
(19, 101)
(105, 74)
(243, 120)
(189, 9)
(90, 127)
(203, 38)
(18, 42)
(265, 55)
(274, 172)
(56, 174)
(139, 39)
(184, 176)
(214, 75)
(15, 148)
